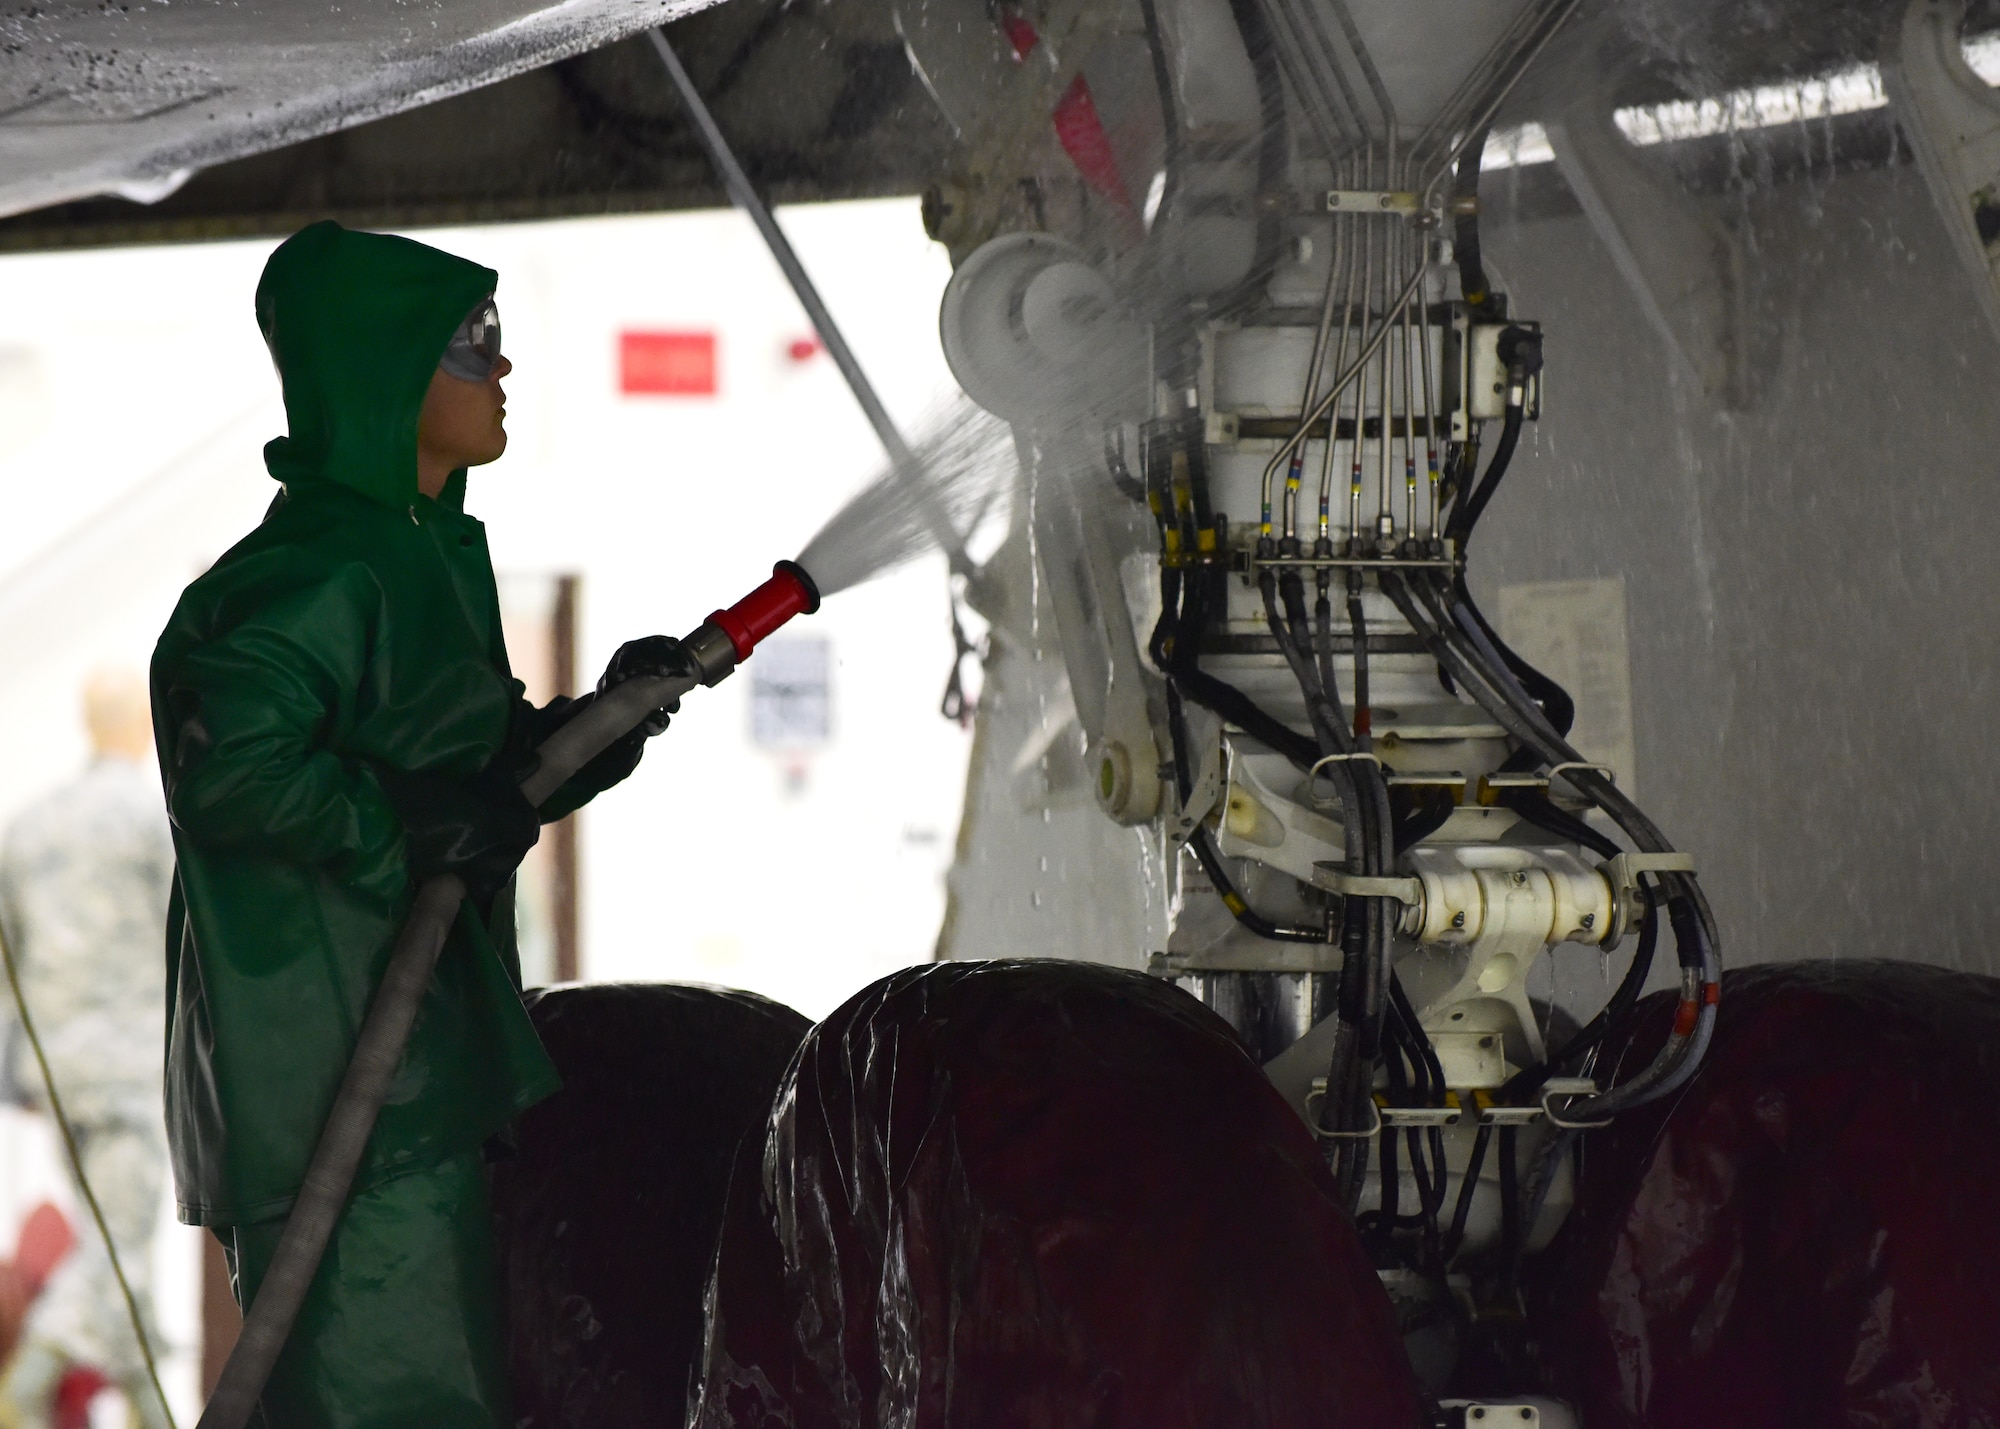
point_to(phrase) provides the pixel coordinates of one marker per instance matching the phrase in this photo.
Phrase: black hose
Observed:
(1323, 655)
(1129, 486)
(1474, 503)
(1472, 282)
(1623, 998)
(1211, 864)
(1368, 930)
(1524, 720)
(1535, 807)
(1240, 710)
(1529, 725)
(1177, 736)
(1455, 1237)
(1358, 627)
(1299, 658)
(1389, 1180)
(1204, 849)
(1425, 811)
(1170, 119)
(1273, 147)
(1427, 1161)
(1552, 697)
(1176, 636)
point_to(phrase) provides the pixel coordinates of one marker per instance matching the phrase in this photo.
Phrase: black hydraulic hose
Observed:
(1177, 736)
(1211, 864)
(1300, 661)
(1222, 698)
(1433, 1070)
(1461, 465)
(1273, 146)
(1511, 707)
(1170, 118)
(1129, 486)
(1694, 934)
(1204, 849)
(1370, 930)
(1182, 516)
(1520, 352)
(1172, 650)
(1358, 628)
(1474, 503)
(1455, 1237)
(1172, 647)
(1496, 690)
(1535, 807)
(1425, 1146)
(1542, 1177)
(1555, 701)
(1623, 999)
(1472, 282)
(1323, 656)
(1389, 1180)
(1425, 816)
(1428, 1143)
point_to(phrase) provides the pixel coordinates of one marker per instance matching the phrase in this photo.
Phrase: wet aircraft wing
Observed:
(129, 98)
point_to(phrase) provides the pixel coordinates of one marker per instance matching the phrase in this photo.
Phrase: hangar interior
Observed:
(1601, 902)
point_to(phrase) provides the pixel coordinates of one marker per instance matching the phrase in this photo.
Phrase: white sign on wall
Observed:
(1574, 632)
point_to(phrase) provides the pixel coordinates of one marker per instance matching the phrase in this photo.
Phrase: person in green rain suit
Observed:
(336, 720)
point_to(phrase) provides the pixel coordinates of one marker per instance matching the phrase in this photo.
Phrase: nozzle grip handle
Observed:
(609, 718)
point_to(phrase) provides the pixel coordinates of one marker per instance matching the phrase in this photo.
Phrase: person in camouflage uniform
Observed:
(84, 880)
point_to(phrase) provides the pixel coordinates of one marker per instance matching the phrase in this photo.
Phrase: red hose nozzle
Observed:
(789, 592)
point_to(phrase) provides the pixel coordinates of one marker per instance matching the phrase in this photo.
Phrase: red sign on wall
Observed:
(676, 363)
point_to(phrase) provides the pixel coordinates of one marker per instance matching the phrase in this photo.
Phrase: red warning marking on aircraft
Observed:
(671, 363)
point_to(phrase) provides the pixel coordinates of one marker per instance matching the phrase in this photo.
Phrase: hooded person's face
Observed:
(462, 424)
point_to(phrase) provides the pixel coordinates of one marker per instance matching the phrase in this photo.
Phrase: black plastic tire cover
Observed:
(608, 1206)
(1043, 1194)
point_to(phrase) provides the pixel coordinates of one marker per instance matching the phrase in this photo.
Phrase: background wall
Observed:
(1810, 583)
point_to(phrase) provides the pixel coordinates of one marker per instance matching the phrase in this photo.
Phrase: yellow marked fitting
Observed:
(1235, 904)
(1265, 529)
(1172, 539)
(1204, 539)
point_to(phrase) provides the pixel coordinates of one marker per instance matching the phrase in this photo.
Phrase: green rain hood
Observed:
(356, 629)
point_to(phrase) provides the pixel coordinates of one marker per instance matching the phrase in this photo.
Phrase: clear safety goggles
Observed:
(474, 350)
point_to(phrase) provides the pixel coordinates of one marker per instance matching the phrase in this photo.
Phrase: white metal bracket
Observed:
(1952, 120)
(1622, 872)
(1407, 891)
(1370, 201)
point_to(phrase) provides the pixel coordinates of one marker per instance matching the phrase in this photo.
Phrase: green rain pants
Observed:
(402, 1328)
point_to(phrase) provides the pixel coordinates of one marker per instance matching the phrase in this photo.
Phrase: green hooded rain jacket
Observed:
(356, 629)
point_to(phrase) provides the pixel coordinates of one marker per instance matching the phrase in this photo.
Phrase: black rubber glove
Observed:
(478, 828)
(652, 656)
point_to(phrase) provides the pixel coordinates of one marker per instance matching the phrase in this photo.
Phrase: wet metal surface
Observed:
(99, 97)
